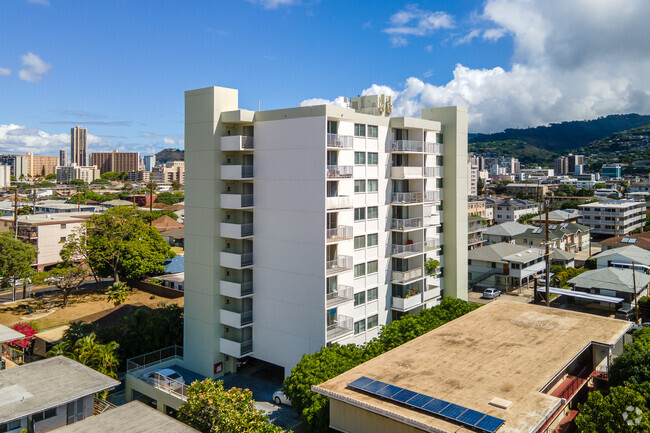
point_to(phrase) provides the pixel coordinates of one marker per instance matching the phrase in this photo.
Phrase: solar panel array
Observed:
(564, 225)
(415, 400)
(553, 226)
(537, 231)
(628, 240)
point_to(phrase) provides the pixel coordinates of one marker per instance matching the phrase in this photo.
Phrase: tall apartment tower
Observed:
(78, 147)
(311, 225)
(149, 162)
(472, 174)
(561, 165)
(63, 157)
(574, 161)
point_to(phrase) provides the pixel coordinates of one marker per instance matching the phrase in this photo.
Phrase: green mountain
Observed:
(543, 143)
(170, 155)
(630, 147)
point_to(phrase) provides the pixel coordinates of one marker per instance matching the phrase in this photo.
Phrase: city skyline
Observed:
(513, 63)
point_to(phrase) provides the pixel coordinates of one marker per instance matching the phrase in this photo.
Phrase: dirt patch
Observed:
(88, 304)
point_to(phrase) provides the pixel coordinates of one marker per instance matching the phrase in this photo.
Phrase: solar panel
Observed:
(429, 404)
(537, 231)
(564, 225)
(553, 226)
(490, 424)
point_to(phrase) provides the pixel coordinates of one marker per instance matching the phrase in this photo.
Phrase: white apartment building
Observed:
(73, 171)
(310, 226)
(5, 176)
(170, 172)
(513, 209)
(612, 217)
(472, 175)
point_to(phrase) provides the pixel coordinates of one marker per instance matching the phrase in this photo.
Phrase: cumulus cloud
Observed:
(4, 72)
(33, 68)
(571, 60)
(19, 139)
(468, 37)
(339, 102)
(274, 4)
(413, 21)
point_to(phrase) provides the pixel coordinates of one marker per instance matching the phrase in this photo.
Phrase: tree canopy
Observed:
(211, 408)
(167, 198)
(16, 258)
(91, 353)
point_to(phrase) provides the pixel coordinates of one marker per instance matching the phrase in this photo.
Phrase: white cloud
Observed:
(428, 48)
(468, 37)
(572, 60)
(339, 102)
(169, 141)
(33, 68)
(4, 72)
(413, 21)
(19, 139)
(274, 4)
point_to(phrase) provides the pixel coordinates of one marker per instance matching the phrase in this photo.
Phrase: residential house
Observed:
(572, 237)
(623, 257)
(557, 217)
(614, 282)
(641, 240)
(513, 209)
(504, 232)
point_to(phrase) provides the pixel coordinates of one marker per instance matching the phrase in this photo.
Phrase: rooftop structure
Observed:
(623, 256)
(641, 240)
(611, 279)
(505, 232)
(487, 354)
(8, 334)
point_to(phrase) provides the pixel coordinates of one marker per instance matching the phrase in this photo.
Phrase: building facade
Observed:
(149, 162)
(78, 146)
(611, 171)
(612, 217)
(513, 209)
(170, 172)
(34, 165)
(115, 161)
(63, 157)
(72, 172)
(472, 175)
(310, 226)
(5, 176)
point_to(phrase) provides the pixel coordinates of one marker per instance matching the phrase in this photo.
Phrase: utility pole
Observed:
(151, 204)
(548, 257)
(636, 305)
(16, 213)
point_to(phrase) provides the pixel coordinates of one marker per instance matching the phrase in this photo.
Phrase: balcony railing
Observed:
(401, 277)
(338, 327)
(235, 348)
(407, 197)
(340, 141)
(340, 294)
(236, 142)
(339, 171)
(431, 244)
(406, 249)
(433, 171)
(433, 147)
(407, 146)
(432, 196)
(339, 202)
(340, 264)
(407, 303)
(406, 224)
(339, 233)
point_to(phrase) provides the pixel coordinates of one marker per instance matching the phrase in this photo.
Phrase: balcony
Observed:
(235, 319)
(340, 326)
(405, 251)
(406, 197)
(340, 264)
(236, 231)
(432, 293)
(406, 224)
(339, 141)
(432, 171)
(339, 171)
(339, 233)
(235, 348)
(236, 142)
(433, 195)
(236, 260)
(405, 172)
(407, 146)
(431, 244)
(236, 290)
(406, 303)
(404, 277)
(236, 172)
(433, 148)
(236, 201)
(340, 295)
(339, 202)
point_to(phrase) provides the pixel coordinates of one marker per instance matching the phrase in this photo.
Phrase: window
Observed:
(332, 127)
(373, 158)
(50, 413)
(360, 326)
(359, 158)
(63, 239)
(373, 212)
(372, 294)
(359, 130)
(373, 131)
(359, 186)
(373, 321)
(359, 298)
(372, 267)
(359, 213)
(372, 239)
(359, 242)
(62, 226)
(359, 270)
(11, 425)
(373, 185)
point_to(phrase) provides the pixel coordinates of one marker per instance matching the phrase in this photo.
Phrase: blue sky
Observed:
(120, 67)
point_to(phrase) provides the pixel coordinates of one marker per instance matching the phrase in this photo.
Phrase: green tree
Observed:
(46, 184)
(89, 352)
(565, 190)
(115, 176)
(176, 185)
(50, 176)
(431, 267)
(211, 408)
(67, 277)
(633, 365)
(79, 182)
(561, 278)
(100, 181)
(118, 293)
(599, 185)
(605, 413)
(15, 260)
(121, 245)
(167, 198)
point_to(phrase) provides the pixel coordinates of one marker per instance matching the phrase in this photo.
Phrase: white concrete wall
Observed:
(49, 242)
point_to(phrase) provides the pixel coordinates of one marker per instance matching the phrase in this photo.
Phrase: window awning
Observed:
(581, 295)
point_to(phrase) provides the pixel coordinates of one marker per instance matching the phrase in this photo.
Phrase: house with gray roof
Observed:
(504, 232)
(614, 282)
(571, 237)
(624, 257)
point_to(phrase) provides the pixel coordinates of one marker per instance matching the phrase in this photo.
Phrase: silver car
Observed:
(280, 397)
(491, 293)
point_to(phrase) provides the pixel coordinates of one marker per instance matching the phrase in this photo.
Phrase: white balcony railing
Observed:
(401, 277)
(341, 325)
(340, 264)
(339, 233)
(433, 147)
(406, 249)
(340, 141)
(431, 244)
(339, 171)
(433, 171)
(340, 294)
(237, 142)
(406, 224)
(339, 202)
(407, 146)
(407, 303)
(407, 197)
(405, 172)
(433, 196)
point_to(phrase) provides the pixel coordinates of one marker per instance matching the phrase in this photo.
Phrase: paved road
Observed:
(6, 295)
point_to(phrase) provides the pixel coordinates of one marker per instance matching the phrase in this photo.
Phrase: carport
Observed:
(593, 297)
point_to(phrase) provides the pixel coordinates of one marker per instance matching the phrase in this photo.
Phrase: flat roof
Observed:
(581, 295)
(53, 335)
(8, 334)
(50, 218)
(132, 417)
(45, 384)
(504, 350)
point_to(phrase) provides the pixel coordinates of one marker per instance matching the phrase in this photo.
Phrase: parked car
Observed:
(280, 398)
(165, 377)
(625, 313)
(491, 293)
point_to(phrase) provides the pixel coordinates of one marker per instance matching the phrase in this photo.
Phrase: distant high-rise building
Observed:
(63, 157)
(34, 165)
(115, 161)
(574, 160)
(78, 146)
(149, 162)
(561, 165)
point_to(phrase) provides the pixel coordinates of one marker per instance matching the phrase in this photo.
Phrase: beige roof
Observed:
(165, 223)
(502, 350)
(53, 335)
(8, 334)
